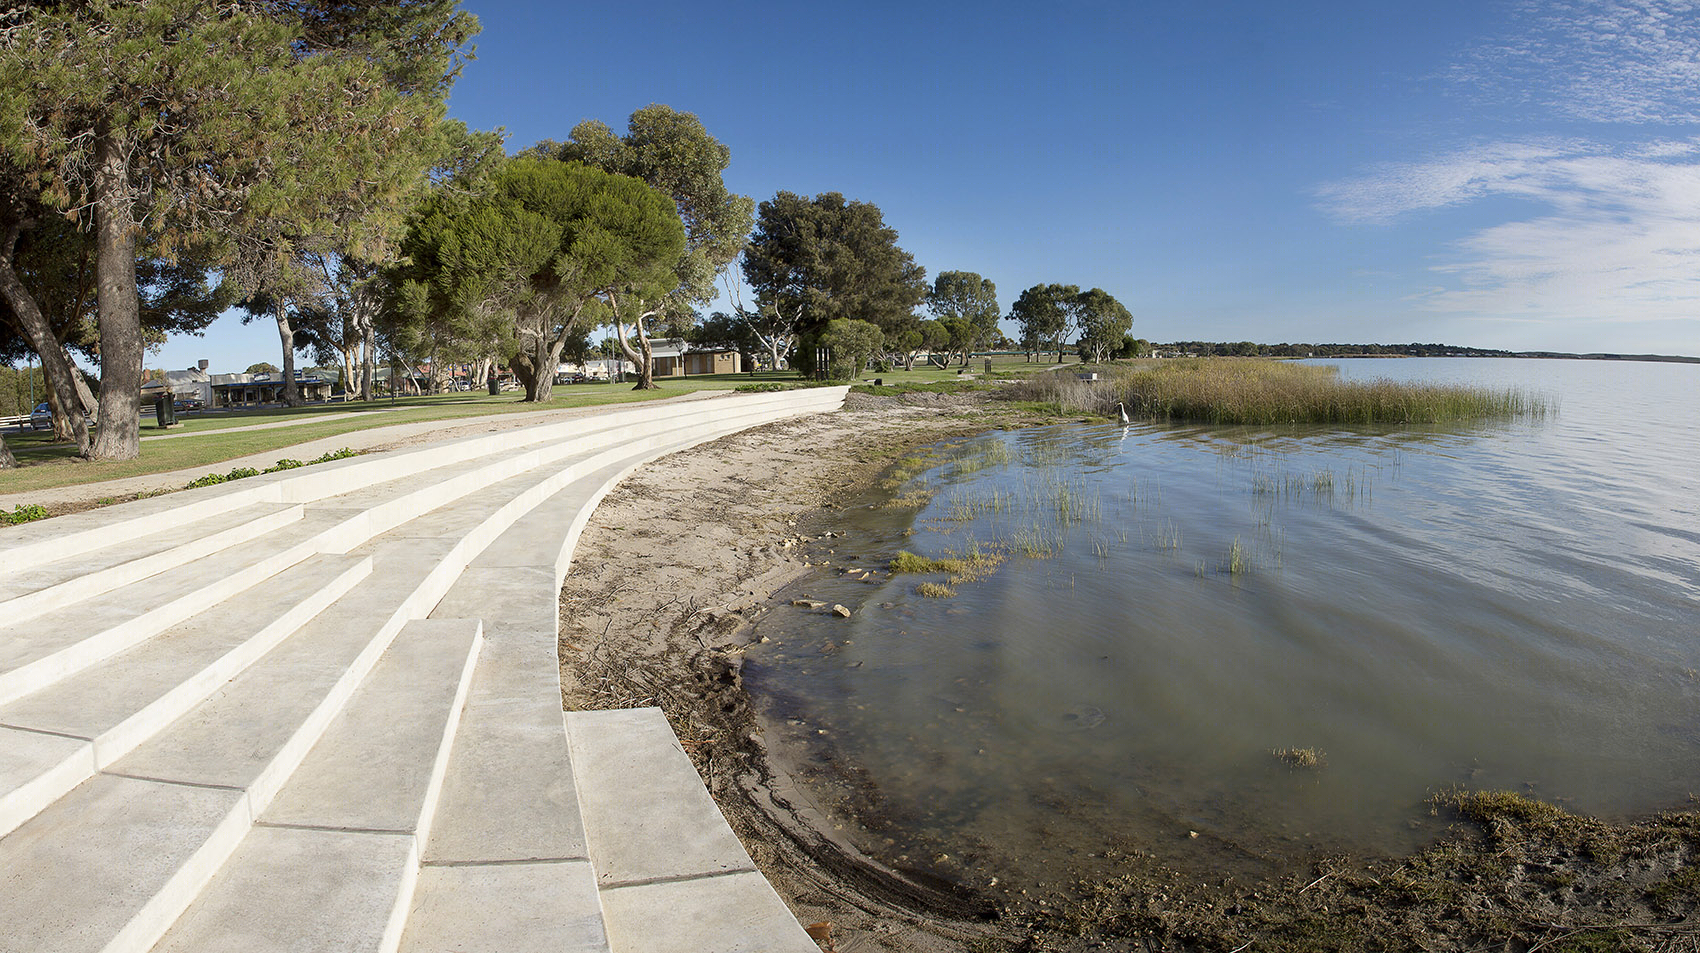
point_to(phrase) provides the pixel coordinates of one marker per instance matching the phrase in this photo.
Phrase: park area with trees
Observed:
(162, 163)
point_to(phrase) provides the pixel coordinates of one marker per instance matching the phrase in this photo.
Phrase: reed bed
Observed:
(1264, 392)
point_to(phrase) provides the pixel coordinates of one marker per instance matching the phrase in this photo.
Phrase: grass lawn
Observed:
(212, 438)
(208, 439)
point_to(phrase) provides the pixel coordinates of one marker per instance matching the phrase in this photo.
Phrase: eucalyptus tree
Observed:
(826, 258)
(853, 343)
(47, 300)
(1044, 314)
(774, 329)
(935, 337)
(529, 257)
(172, 123)
(1103, 322)
(967, 305)
(19, 211)
(355, 268)
(672, 152)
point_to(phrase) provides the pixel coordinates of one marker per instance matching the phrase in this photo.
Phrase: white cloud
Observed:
(1612, 234)
(1617, 61)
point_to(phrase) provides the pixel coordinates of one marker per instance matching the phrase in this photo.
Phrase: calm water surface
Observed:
(1510, 606)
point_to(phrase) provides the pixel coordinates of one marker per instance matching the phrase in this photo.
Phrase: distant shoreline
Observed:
(1535, 355)
(1329, 352)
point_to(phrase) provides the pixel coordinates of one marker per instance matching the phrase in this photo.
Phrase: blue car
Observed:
(41, 418)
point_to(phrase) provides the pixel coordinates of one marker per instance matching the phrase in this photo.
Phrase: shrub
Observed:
(24, 513)
(1263, 392)
(341, 454)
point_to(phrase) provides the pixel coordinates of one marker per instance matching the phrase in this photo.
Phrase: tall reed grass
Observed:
(1262, 392)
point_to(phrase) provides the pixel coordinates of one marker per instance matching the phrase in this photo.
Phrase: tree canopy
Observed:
(672, 152)
(827, 258)
(1044, 313)
(853, 344)
(1102, 321)
(179, 124)
(967, 305)
(526, 258)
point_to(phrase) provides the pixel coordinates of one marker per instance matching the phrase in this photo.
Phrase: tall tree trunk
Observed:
(85, 397)
(369, 362)
(643, 357)
(7, 461)
(57, 371)
(345, 364)
(118, 305)
(538, 371)
(286, 334)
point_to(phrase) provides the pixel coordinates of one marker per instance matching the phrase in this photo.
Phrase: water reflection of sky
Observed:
(1505, 606)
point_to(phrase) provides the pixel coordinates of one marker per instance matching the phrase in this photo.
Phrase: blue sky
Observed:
(1521, 175)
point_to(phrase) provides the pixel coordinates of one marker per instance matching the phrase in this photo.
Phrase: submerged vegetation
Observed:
(1308, 758)
(1514, 874)
(1264, 392)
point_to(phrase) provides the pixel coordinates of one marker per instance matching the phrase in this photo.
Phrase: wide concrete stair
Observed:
(320, 709)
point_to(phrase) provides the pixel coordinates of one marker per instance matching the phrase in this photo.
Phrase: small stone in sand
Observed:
(840, 610)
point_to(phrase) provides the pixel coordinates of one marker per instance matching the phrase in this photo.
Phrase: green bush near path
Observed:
(23, 513)
(241, 473)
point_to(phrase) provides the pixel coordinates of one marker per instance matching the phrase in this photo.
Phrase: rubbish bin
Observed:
(164, 411)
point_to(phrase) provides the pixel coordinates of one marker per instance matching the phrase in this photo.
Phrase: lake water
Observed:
(1513, 605)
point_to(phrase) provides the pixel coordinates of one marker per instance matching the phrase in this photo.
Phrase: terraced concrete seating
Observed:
(321, 710)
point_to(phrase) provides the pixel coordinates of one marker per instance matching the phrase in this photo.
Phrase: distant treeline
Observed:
(1251, 349)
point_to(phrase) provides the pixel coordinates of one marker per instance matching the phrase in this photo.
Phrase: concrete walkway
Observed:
(276, 424)
(320, 710)
(374, 437)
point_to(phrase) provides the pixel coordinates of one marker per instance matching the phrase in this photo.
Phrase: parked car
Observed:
(41, 418)
(182, 404)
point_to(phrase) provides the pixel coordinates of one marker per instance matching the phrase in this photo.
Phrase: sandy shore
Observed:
(672, 569)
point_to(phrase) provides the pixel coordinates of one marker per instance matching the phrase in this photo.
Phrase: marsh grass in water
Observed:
(1264, 392)
(966, 566)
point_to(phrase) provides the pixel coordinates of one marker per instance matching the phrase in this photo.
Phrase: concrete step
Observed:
(35, 653)
(331, 864)
(198, 784)
(33, 544)
(28, 592)
(507, 858)
(494, 855)
(671, 874)
(117, 526)
(53, 740)
(509, 843)
(506, 844)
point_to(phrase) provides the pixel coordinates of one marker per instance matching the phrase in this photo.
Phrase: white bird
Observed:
(1123, 410)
